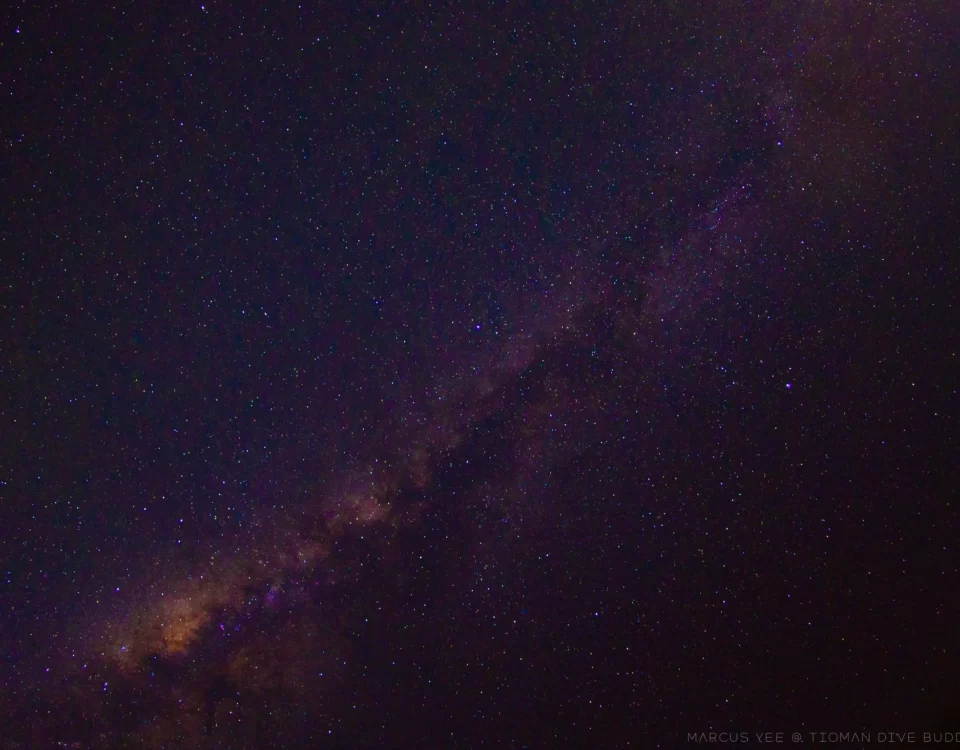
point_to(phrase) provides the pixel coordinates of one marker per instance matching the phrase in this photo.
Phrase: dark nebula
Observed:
(448, 375)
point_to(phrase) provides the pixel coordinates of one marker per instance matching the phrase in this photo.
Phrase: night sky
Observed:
(457, 375)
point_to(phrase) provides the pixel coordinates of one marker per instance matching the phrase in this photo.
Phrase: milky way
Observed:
(526, 376)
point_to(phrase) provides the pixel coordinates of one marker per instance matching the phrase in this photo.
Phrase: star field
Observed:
(467, 375)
